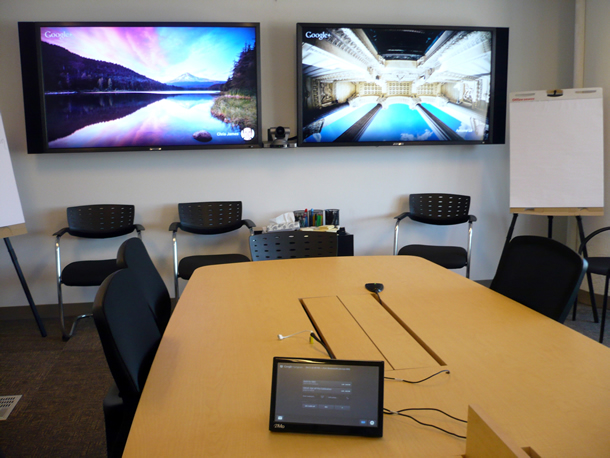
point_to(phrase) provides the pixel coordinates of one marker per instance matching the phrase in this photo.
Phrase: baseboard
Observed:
(45, 311)
(585, 298)
(23, 312)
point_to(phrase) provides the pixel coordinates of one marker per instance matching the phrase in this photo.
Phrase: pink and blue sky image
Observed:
(159, 53)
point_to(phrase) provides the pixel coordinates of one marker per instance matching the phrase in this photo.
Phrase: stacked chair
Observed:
(438, 210)
(90, 222)
(206, 218)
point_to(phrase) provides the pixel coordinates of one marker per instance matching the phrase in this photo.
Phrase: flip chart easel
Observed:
(557, 156)
(557, 152)
(12, 222)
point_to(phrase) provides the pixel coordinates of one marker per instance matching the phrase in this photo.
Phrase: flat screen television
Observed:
(400, 85)
(121, 86)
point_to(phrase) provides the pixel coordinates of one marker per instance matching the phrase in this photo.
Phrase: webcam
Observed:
(278, 136)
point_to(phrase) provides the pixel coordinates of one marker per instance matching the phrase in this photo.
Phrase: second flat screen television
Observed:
(140, 86)
(399, 85)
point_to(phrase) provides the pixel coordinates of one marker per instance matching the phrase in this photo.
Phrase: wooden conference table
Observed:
(208, 391)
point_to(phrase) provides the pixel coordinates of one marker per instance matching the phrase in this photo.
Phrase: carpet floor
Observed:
(62, 383)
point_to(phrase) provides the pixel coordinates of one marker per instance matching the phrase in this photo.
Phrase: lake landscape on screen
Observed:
(130, 86)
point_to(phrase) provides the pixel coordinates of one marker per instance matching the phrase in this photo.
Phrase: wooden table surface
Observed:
(208, 391)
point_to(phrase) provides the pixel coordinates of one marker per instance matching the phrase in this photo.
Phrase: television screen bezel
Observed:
(33, 90)
(498, 85)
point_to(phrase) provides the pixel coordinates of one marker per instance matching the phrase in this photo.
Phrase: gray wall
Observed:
(370, 185)
(597, 74)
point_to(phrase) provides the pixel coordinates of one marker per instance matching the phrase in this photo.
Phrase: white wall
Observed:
(370, 185)
(597, 74)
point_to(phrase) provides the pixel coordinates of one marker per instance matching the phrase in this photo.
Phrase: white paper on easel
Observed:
(11, 212)
(556, 149)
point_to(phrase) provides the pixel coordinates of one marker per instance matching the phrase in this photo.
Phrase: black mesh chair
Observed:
(206, 218)
(293, 244)
(132, 255)
(599, 265)
(91, 222)
(130, 338)
(439, 210)
(540, 273)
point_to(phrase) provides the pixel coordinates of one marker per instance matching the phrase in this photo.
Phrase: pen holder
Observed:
(317, 218)
(299, 217)
(331, 217)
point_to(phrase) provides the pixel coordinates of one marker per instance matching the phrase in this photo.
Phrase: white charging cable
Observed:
(281, 337)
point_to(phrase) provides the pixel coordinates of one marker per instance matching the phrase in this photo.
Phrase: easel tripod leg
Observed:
(24, 285)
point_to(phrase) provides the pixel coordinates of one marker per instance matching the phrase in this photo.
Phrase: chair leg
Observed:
(593, 305)
(604, 308)
(176, 288)
(65, 335)
(592, 295)
(592, 298)
(175, 253)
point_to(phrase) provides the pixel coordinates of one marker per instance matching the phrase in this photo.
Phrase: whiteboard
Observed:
(557, 149)
(11, 212)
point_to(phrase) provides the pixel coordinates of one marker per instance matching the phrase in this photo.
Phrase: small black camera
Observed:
(278, 136)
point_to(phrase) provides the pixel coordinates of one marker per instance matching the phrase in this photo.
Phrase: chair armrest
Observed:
(472, 218)
(174, 226)
(61, 232)
(248, 222)
(139, 227)
(589, 237)
(398, 219)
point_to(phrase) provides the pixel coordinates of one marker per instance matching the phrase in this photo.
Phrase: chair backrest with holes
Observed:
(100, 221)
(210, 217)
(440, 209)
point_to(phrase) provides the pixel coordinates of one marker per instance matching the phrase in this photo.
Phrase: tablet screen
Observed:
(327, 396)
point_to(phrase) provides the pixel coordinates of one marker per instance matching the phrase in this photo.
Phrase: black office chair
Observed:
(206, 218)
(92, 222)
(132, 255)
(540, 273)
(599, 265)
(130, 338)
(439, 210)
(293, 244)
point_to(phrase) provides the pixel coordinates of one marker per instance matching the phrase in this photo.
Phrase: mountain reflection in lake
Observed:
(134, 119)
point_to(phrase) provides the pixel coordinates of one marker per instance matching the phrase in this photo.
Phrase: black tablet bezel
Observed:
(367, 431)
